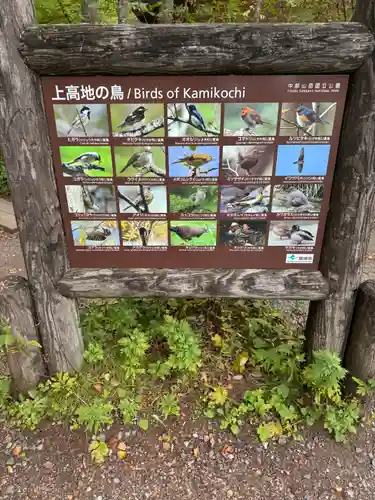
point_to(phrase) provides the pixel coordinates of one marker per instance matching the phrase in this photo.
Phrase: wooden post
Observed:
(25, 360)
(360, 353)
(349, 220)
(28, 160)
(122, 11)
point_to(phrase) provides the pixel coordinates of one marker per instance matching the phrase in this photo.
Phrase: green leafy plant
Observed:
(95, 416)
(133, 349)
(169, 405)
(94, 353)
(29, 412)
(129, 408)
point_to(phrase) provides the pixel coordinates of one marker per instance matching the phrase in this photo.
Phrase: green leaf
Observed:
(143, 424)
(240, 362)
(269, 430)
(219, 395)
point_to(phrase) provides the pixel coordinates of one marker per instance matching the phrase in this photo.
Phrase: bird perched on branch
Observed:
(249, 161)
(139, 160)
(88, 158)
(306, 117)
(136, 116)
(299, 235)
(199, 196)
(196, 118)
(81, 120)
(195, 160)
(78, 170)
(139, 202)
(301, 160)
(251, 117)
(187, 233)
(99, 234)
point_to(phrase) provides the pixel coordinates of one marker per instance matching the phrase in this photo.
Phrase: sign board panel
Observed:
(195, 172)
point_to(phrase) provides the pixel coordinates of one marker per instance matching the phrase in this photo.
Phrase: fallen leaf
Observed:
(16, 452)
(196, 451)
(98, 387)
(166, 446)
(113, 442)
(227, 449)
(121, 454)
(121, 446)
(143, 424)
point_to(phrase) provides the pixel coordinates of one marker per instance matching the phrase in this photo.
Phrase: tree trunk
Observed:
(122, 11)
(349, 220)
(28, 161)
(258, 10)
(25, 359)
(360, 353)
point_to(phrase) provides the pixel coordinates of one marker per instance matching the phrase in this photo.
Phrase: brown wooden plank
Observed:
(196, 49)
(28, 160)
(349, 220)
(360, 353)
(248, 283)
(25, 361)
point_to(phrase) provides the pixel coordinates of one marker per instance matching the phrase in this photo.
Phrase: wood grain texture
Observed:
(28, 160)
(257, 284)
(360, 353)
(26, 363)
(196, 49)
(349, 220)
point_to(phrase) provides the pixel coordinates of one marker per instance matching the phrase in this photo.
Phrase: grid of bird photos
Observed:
(194, 184)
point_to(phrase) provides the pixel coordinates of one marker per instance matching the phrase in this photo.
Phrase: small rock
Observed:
(195, 435)
(48, 465)
(238, 377)
(307, 476)
(373, 462)
(350, 493)
(116, 480)
(10, 490)
(99, 497)
(358, 450)
(40, 447)
(11, 461)
(230, 493)
(282, 440)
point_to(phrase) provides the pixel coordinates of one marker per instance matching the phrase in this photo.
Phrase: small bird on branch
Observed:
(139, 160)
(139, 201)
(81, 120)
(136, 116)
(307, 117)
(86, 159)
(251, 117)
(196, 118)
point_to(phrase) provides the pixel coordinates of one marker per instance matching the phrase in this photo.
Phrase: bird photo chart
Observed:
(192, 171)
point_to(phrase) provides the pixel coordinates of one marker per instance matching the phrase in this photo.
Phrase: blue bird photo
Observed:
(196, 118)
(315, 159)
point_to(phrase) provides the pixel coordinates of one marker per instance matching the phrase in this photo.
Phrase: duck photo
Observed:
(293, 233)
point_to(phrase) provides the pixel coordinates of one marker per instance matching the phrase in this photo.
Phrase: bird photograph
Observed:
(256, 119)
(297, 198)
(91, 199)
(81, 120)
(247, 161)
(315, 159)
(86, 161)
(193, 233)
(148, 11)
(202, 161)
(245, 199)
(140, 161)
(242, 233)
(293, 233)
(142, 199)
(95, 233)
(137, 120)
(193, 199)
(144, 233)
(307, 119)
(193, 120)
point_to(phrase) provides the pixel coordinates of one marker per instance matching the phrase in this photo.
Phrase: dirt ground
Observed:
(56, 464)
